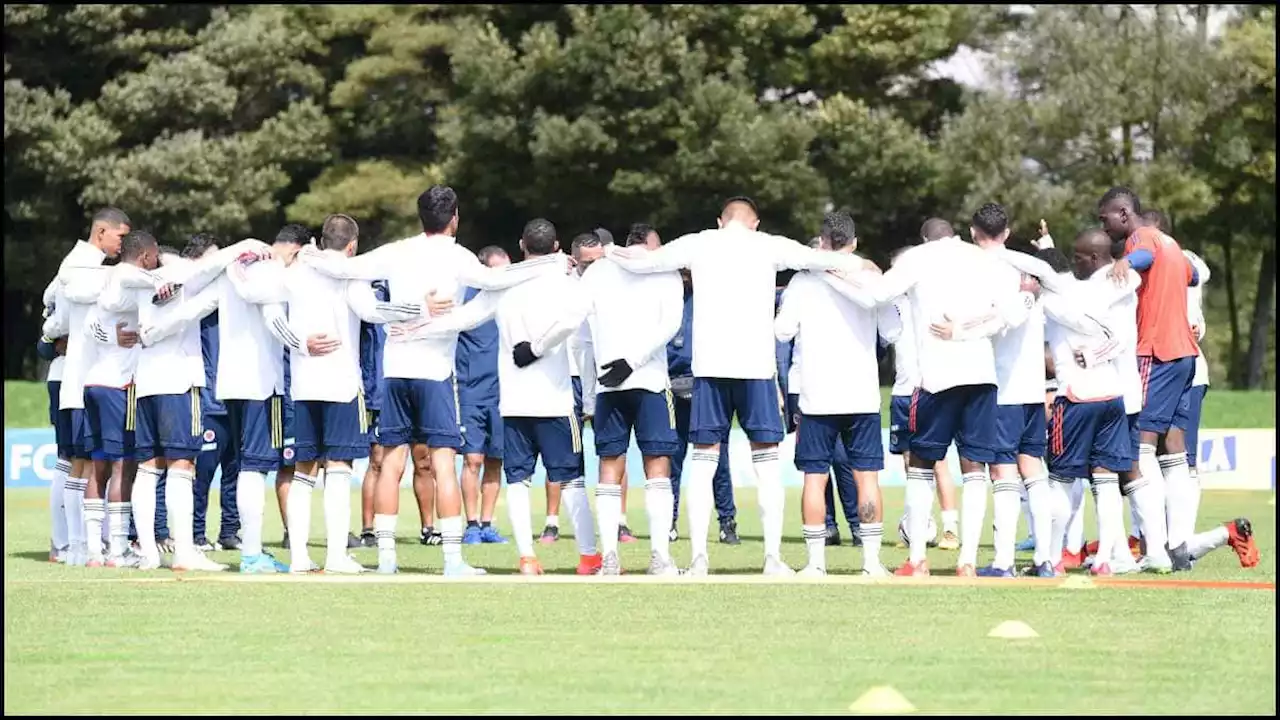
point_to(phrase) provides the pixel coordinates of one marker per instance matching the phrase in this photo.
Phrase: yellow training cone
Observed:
(882, 700)
(1012, 630)
(1076, 582)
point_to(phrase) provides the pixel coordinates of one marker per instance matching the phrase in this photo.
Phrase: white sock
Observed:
(337, 513)
(1026, 508)
(118, 527)
(872, 534)
(699, 473)
(658, 503)
(251, 489)
(95, 512)
(772, 498)
(575, 501)
(1203, 543)
(609, 505)
(1193, 500)
(919, 500)
(815, 541)
(1041, 517)
(73, 505)
(554, 520)
(144, 510)
(57, 505)
(950, 521)
(180, 502)
(450, 538)
(1074, 541)
(1135, 523)
(1110, 509)
(521, 517)
(1147, 494)
(973, 508)
(384, 529)
(1006, 502)
(1060, 512)
(1178, 492)
(622, 519)
(297, 511)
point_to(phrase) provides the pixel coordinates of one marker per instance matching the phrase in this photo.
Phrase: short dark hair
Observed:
(1159, 219)
(1124, 194)
(583, 240)
(110, 216)
(436, 208)
(539, 237)
(936, 229)
(199, 244)
(639, 233)
(606, 237)
(1055, 257)
(837, 229)
(741, 199)
(338, 232)
(135, 243)
(293, 234)
(488, 252)
(991, 220)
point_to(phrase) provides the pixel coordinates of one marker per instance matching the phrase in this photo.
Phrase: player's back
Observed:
(627, 310)
(835, 350)
(1019, 351)
(250, 359)
(906, 353)
(424, 263)
(318, 306)
(1163, 331)
(526, 313)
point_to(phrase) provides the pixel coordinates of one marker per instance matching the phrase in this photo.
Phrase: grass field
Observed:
(81, 641)
(26, 405)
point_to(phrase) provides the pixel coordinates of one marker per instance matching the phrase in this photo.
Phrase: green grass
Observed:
(79, 641)
(26, 405)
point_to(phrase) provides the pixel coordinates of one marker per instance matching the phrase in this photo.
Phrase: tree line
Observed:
(235, 119)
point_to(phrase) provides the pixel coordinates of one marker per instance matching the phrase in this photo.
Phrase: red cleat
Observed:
(909, 569)
(1091, 548)
(1072, 561)
(530, 566)
(590, 564)
(1240, 538)
(1135, 546)
(1101, 570)
(1059, 570)
(966, 571)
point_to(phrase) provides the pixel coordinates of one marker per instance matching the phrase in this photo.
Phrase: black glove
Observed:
(522, 353)
(615, 373)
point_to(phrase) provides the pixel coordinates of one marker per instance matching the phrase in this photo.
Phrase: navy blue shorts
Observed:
(170, 426)
(964, 414)
(577, 397)
(330, 430)
(818, 436)
(651, 415)
(1020, 430)
(899, 422)
(557, 440)
(420, 411)
(1193, 423)
(481, 430)
(1166, 393)
(793, 413)
(1135, 436)
(1084, 436)
(265, 432)
(78, 433)
(111, 414)
(61, 422)
(371, 421)
(757, 403)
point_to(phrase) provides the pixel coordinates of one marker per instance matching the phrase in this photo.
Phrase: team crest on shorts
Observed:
(288, 453)
(209, 436)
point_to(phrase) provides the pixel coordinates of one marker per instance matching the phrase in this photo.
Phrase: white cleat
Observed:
(875, 571)
(302, 566)
(774, 567)
(149, 563)
(1125, 565)
(195, 560)
(345, 565)
(698, 568)
(809, 571)
(1160, 564)
(129, 559)
(660, 567)
(78, 555)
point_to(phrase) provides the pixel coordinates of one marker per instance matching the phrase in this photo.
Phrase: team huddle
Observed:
(301, 356)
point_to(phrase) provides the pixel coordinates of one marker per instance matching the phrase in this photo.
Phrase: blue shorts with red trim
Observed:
(1166, 393)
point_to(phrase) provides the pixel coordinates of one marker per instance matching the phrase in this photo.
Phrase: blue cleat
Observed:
(473, 535)
(489, 534)
(1026, 545)
(1046, 570)
(262, 564)
(991, 571)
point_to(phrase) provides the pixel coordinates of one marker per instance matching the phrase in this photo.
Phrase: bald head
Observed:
(936, 229)
(1091, 253)
(740, 210)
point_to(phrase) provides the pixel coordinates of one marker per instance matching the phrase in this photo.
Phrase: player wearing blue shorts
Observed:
(625, 389)
(373, 337)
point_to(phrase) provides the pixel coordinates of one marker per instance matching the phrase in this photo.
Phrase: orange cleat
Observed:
(1135, 546)
(1072, 561)
(909, 569)
(530, 566)
(590, 564)
(966, 571)
(1240, 538)
(1091, 548)
(1059, 570)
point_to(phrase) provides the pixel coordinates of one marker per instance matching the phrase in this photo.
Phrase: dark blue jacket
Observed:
(372, 339)
(680, 347)
(209, 404)
(476, 363)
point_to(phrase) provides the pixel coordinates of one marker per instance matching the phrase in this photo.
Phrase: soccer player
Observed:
(477, 377)
(623, 343)
(735, 364)
(421, 403)
(52, 348)
(1166, 356)
(373, 337)
(839, 397)
(535, 320)
(80, 280)
(680, 374)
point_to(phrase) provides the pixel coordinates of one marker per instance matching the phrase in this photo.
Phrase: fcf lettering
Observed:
(39, 458)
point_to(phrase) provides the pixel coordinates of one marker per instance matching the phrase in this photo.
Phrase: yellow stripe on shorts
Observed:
(364, 413)
(277, 423)
(671, 408)
(130, 408)
(576, 433)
